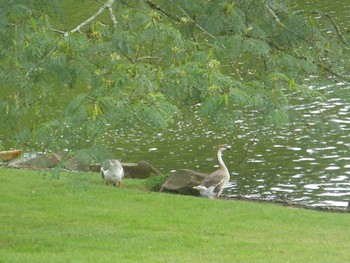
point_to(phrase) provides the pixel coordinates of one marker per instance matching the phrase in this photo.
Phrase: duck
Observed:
(112, 172)
(213, 185)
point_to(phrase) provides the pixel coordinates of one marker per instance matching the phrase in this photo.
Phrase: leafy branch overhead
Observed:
(144, 62)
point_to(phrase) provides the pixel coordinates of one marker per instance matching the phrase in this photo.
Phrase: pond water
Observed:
(308, 164)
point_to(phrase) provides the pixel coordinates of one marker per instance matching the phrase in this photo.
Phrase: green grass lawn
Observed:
(74, 217)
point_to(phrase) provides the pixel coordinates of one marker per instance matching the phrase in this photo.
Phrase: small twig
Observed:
(273, 14)
(196, 24)
(48, 54)
(278, 21)
(149, 58)
(332, 21)
(251, 143)
(334, 24)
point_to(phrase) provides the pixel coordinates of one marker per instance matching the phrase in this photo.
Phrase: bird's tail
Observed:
(200, 187)
(204, 191)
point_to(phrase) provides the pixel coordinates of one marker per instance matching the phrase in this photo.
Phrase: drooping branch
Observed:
(278, 21)
(335, 26)
(329, 17)
(196, 24)
(273, 14)
(153, 5)
(107, 5)
(319, 64)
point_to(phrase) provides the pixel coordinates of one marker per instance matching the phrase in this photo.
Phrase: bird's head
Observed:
(225, 147)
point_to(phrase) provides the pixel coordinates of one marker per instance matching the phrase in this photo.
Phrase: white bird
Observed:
(212, 186)
(112, 172)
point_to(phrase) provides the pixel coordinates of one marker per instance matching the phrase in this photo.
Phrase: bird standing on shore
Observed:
(112, 172)
(213, 185)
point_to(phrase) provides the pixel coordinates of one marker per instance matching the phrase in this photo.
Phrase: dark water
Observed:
(308, 163)
(297, 163)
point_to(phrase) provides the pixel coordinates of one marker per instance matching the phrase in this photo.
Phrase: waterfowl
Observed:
(112, 172)
(212, 186)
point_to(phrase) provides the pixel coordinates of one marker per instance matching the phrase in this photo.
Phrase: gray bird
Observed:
(212, 186)
(112, 172)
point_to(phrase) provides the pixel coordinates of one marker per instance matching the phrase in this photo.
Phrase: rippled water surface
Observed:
(308, 164)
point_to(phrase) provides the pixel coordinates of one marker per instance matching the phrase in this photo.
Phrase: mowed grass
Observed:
(74, 217)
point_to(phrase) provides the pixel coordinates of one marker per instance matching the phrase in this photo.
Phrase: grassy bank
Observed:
(74, 217)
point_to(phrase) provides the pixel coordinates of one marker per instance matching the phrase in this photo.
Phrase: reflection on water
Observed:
(308, 164)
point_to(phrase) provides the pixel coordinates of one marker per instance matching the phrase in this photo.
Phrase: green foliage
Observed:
(154, 183)
(66, 89)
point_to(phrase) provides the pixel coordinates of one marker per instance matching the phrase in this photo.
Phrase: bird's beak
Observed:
(228, 147)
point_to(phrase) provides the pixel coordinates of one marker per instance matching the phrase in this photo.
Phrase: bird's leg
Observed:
(120, 184)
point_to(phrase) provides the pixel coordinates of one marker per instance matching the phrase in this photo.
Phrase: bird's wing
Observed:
(213, 180)
(102, 173)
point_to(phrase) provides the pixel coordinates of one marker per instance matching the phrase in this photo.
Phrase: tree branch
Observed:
(153, 5)
(196, 24)
(111, 14)
(329, 17)
(334, 24)
(107, 5)
(278, 21)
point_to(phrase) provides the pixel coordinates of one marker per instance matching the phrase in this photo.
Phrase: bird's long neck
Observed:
(221, 162)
